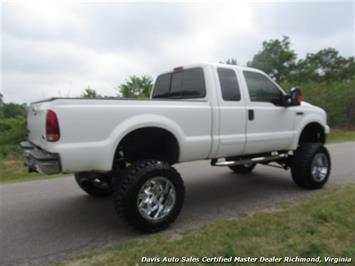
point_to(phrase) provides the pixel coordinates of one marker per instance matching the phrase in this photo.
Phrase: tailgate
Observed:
(36, 124)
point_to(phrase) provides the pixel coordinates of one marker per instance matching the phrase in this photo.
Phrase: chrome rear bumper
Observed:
(39, 160)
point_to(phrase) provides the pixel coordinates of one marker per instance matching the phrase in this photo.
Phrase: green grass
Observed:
(339, 135)
(322, 225)
(12, 169)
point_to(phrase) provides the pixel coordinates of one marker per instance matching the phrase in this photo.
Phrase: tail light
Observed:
(52, 127)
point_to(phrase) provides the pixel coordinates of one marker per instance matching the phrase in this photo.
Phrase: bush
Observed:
(13, 130)
(10, 151)
(337, 98)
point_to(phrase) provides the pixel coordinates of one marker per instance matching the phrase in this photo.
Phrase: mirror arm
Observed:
(286, 101)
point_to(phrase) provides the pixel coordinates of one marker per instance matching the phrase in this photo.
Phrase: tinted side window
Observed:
(229, 84)
(188, 84)
(261, 89)
(162, 86)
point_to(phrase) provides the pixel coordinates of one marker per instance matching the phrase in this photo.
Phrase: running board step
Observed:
(259, 159)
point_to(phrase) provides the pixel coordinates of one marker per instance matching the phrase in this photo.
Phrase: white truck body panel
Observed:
(210, 127)
(92, 129)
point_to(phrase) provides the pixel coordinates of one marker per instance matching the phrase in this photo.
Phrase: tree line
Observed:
(326, 78)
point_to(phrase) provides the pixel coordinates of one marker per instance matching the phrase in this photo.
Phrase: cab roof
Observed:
(215, 65)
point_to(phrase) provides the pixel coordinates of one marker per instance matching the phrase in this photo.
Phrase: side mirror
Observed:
(295, 97)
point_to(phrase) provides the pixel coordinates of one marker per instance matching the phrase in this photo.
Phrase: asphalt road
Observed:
(44, 221)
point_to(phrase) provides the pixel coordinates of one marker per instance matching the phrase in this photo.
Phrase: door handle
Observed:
(251, 114)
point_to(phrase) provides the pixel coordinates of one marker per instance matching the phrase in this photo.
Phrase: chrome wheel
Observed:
(320, 167)
(156, 199)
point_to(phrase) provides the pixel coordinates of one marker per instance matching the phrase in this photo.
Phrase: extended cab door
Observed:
(269, 125)
(232, 113)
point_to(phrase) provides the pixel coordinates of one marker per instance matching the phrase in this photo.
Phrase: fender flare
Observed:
(143, 121)
(314, 118)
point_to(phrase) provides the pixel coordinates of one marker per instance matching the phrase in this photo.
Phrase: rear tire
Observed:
(243, 168)
(94, 185)
(149, 194)
(310, 167)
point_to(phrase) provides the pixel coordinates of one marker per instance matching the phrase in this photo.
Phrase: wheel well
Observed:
(313, 132)
(149, 143)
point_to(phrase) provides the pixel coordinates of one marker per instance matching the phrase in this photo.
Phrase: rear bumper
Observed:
(38, 160)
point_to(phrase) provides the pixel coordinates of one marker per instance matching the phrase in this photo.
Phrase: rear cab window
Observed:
(181, 84)
(162, 86)
(229, 84)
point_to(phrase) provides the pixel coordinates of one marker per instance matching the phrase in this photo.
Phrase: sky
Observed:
(57, 49)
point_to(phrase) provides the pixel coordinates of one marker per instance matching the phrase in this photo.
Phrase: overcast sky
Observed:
(58, 49)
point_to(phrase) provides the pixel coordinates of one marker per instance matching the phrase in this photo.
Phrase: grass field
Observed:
(322, 225)
(339, 135)
(12, 169)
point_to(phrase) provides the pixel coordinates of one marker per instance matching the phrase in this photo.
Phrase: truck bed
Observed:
(95, 126)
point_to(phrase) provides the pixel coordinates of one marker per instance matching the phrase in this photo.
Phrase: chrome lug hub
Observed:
(320, 167)
(156, 199)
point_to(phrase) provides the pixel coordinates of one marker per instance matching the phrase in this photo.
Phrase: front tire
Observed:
(243, 168)
(311, 166)
(93, 184)
(149, 194)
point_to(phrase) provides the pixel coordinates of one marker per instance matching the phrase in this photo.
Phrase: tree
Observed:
(276, 59)
(136, 87)
(90, 93)
(11, 110)
(325, 65)
(1, 101)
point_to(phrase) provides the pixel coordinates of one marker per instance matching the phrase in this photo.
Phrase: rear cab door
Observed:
(232, 112)
(270, 126)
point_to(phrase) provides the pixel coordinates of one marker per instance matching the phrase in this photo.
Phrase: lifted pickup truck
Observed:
(235, 116)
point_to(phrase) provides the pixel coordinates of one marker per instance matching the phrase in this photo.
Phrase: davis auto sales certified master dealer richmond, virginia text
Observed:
(232, 259)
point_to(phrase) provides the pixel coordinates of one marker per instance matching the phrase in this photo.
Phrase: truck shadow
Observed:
(222, 194)
(219, 193)
(67, 222)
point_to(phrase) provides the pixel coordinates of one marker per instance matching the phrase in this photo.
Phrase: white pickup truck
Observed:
(235, 116)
